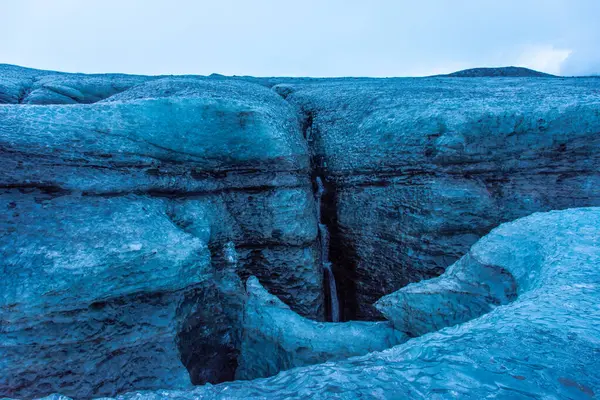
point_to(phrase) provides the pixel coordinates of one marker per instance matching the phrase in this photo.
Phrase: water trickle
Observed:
(326, 265)
(335, 305)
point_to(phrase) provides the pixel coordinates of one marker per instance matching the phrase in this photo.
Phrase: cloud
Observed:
(544, 58)
(583, 61)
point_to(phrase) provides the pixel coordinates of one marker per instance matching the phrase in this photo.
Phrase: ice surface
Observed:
(30, 86)
(275, 338)
(422, 168)
(544, 344)
(160, 143)
(217, 175)
(465, 291)
(90, 293)
(106, 206)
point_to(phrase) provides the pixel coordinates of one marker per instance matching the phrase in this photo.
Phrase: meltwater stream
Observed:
(324, 234)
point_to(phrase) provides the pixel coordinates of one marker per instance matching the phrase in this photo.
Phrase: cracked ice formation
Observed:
(417, 170)
(544, 344)
(275, 338)
(422, 168)
(106, 206)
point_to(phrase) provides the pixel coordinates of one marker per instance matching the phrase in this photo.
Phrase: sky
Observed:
(319, 38)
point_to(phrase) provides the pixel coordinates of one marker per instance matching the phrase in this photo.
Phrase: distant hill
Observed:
(499, 72)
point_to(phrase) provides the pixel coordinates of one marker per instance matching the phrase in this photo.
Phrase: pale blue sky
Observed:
(300, 38)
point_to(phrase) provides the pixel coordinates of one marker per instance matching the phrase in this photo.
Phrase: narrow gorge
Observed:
(331, 294)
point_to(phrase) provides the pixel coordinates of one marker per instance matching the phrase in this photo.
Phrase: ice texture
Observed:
(31, 86)
(275, 338)
(91, 289)
(119, 219)
(544, 344)
(134, 208)
(168, 144)
(465, 291)
(422, 168)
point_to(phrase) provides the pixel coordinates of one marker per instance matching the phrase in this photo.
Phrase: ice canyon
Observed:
(220, 237)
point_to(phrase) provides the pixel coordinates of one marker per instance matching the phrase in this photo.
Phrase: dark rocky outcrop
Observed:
(511, 72)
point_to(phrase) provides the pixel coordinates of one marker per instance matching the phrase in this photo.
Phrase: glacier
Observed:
(165, 232)
(543, 344)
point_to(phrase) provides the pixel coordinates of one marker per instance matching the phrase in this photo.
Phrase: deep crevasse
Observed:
(324, 235)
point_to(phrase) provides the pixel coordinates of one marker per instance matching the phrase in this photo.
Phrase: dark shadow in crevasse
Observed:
(209, 335)
(342, 257)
